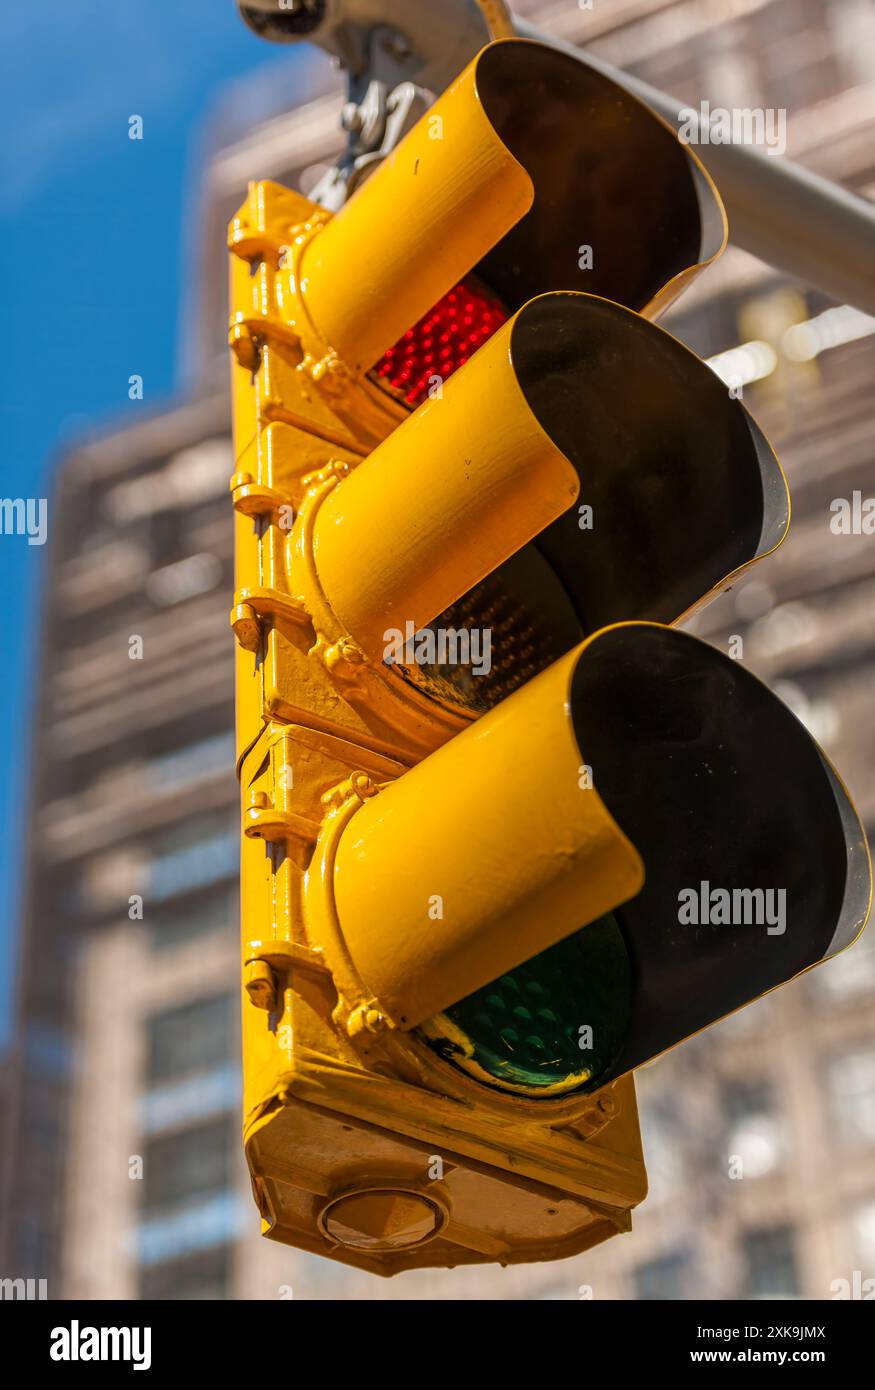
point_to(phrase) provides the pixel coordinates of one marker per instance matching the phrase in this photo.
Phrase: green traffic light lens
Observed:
(552, 1025)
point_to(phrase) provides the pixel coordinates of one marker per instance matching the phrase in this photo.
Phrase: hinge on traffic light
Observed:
(262, 821)
(266, 964)
(256, 499)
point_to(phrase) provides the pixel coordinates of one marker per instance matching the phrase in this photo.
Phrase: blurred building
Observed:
(124, 1172)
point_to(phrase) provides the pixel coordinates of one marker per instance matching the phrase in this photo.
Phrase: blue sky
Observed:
(93, 276)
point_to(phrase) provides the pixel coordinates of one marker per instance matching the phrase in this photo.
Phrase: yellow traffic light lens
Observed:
(526, 154)
(516, 622)
(578, 429)
(679, 487)
(738, 864)
(551, 1025)
(756, 865)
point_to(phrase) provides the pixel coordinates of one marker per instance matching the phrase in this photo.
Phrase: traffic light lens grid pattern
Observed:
(554, 1023)
(441, 342)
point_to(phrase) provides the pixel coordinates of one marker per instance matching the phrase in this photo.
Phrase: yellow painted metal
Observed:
(331, 1135)
(297, 376)
(460, 486)
(333, 1110)
(301, 422)
(498, 18)
(335, 1104)
(343, 1117)
(453, 189)
(423, 923)
(442, 199)
(380, 885)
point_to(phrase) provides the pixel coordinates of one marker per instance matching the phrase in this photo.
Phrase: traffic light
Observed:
(507, 832)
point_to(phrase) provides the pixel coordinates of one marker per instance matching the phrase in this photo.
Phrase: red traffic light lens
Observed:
(441, 342)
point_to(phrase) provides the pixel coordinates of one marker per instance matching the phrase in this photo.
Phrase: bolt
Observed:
(608, 1106)
(365, 1019)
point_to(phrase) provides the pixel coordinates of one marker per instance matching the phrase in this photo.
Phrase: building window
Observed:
(753, 1128)
(770, 1257)
(190, 1164)
(193, 830)
(197, 854)
(172, 924)
(184, 579)
(203, 1223)
(203, 1276)
(194, 1038)
(193, 761)
(198, 1097)
(47, 1050)
(794, 53)
(851, 1088)
(664, 1279)
(167, 534)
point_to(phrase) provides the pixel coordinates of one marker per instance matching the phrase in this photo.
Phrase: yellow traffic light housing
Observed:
(461, 892)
